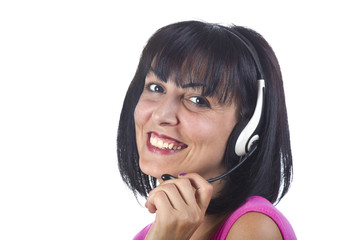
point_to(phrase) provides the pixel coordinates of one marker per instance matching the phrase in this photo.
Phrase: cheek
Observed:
(137, 114)
(215, 130)
(141, 116)
(207, 134)
(141, 113)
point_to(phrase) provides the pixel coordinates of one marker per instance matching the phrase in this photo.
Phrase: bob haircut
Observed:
(193, 51)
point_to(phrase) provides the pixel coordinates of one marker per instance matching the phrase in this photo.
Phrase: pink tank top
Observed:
(253, 204)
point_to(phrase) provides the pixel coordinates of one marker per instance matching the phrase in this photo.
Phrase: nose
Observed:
(166, 113)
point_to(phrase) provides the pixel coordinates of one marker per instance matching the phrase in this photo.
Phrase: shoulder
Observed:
(257, 218)
(254, 225)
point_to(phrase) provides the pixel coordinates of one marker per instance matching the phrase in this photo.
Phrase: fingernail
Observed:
(182, 174)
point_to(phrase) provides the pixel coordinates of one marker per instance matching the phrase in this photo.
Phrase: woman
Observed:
(197, 89)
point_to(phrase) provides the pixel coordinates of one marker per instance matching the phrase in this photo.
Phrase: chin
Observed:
(152, 170)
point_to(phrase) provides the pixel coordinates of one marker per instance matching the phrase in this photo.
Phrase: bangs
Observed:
(198, 70)
(203, 56)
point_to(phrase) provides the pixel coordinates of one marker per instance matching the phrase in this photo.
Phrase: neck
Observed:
(209, 226)
(212, 222)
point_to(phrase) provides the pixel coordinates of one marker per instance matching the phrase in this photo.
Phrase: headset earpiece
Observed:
(250, 135)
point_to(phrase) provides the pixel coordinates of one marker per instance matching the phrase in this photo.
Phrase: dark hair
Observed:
(195, 50)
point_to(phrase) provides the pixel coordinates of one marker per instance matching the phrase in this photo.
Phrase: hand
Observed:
(180, 205)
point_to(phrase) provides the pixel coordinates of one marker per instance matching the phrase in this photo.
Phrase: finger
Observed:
(157, 200)
(174, 197)
(186, 190)
(203, 189)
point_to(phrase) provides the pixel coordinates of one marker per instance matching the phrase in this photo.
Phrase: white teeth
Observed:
(153, 141)
(160, 144)
(163, 145)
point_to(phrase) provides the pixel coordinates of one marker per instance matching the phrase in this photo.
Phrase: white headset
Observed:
(249, 134)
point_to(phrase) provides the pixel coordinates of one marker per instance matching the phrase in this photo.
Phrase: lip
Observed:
(162, 151)
(164, 137)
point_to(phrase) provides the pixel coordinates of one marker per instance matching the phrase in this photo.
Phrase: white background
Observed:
(65, 67)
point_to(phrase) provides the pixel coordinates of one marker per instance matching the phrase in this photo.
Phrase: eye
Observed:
(153, 87)
(200, 101)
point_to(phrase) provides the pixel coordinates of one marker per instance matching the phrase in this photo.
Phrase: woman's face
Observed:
(180, 131)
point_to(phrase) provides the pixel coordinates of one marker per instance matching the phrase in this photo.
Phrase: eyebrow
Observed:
(187, 85)
(193, 85)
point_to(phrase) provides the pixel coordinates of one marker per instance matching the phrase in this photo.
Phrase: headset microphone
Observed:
(241, 161)
(166, 177)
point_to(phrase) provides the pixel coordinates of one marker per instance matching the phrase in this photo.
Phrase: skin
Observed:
(200, 127)
(182, 114)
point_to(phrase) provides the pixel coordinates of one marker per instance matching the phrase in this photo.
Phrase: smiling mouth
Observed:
(165, 143)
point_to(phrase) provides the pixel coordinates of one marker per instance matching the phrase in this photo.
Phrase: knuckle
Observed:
(158, 195)
(185, 182)
(197, 218)
(197, 215)
(154, 195)
(169, 187)
(208, 188)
